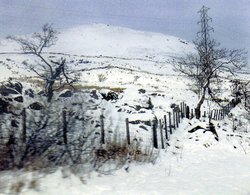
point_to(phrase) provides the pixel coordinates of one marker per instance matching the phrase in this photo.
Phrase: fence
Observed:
(162, 129)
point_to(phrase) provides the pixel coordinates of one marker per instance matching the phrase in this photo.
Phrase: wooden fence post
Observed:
(204, 115)
(162, 140)
(197, 113)
(65, 136)
(182, 109)
(127, 131)
(221, 114)
(217, 114)
(170, 123)
(211, 114)
(187, 111)
(174, 120)
(102, 130)
(154, 128)
(192, 113)
(166, 127)
(24, 127)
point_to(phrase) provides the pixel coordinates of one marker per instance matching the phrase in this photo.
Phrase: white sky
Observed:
(174, 17)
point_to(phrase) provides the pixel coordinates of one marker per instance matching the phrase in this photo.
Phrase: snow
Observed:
(104, 45)
(194, 163)
(100, 39)
(186, 167)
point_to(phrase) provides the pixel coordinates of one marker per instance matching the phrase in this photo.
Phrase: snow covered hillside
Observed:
(101, 39)
(102, 45)
(136, 67)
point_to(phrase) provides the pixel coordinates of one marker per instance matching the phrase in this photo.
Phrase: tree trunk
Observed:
(49, 90)
(201, 101)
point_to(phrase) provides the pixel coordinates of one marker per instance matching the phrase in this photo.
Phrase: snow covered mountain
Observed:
(100, 39)
(117, 41)
(106, 45)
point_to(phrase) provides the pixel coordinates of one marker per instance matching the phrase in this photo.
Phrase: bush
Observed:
(118, 153)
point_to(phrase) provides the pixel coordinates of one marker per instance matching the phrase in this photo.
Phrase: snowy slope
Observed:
(115, 57)
(117, 41)
(100, 39)
(103, 45)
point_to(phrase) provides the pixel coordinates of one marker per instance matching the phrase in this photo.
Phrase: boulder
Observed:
(19, 99)
(142, 91)
(94, 95)
(66, 94)
(14, 123)
(110, 96)
(36, 106)
(3, 106)
(7, 91)
(10, 87)
(29, 92)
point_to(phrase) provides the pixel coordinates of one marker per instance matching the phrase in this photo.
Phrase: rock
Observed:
(110, 96)
(210, 128)
(6, 91)
(143, 127)
(97, 126)
(135, 122)
(14, 123)
(94, 95)
(19, 99)
(66, 94)
(41, 93)
(29, 92)
(3, 106)
(175, 107)
(142, 91)
(137, 107)
(17, 86)
(36, 106)
(195, 129)
(150, 104)
(10, 88)
(91, 101)
(148, 123)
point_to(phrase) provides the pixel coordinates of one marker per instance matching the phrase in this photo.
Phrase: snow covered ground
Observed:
(114, 57)
(194, 163)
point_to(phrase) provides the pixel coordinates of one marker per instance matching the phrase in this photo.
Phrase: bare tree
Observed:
(246, 95)
(241, 92)
(50, 71)
(204, 66)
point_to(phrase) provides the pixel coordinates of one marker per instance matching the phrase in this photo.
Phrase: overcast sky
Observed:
(231, 18)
